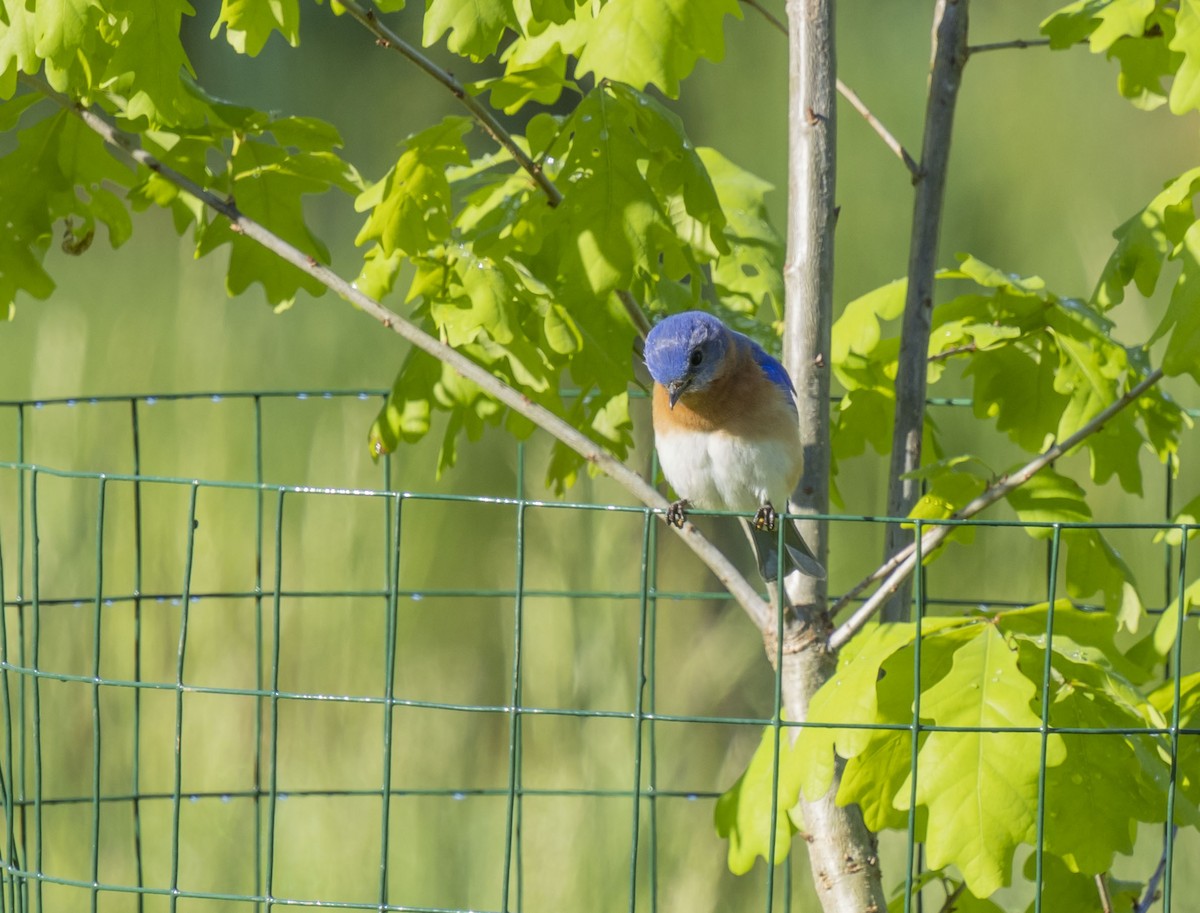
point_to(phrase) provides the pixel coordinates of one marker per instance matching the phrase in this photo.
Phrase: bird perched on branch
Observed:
(727, 431)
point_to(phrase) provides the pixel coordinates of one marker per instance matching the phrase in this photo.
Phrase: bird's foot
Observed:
(677, 513)
(765, 518)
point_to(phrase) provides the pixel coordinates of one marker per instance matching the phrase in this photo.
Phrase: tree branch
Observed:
(1102, 889)
(900, 565)
(841, 850)
(128, 147)
(949, 57)
(852, 97)
(387, 38)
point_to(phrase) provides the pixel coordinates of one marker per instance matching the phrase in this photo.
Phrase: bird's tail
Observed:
(766, 551)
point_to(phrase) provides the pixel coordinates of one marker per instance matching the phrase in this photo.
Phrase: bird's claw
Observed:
(677, 513)
(765, 518)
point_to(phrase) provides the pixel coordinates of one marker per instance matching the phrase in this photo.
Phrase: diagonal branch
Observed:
(387, 38)
(128, 148)
(852, 97)
(901, 565)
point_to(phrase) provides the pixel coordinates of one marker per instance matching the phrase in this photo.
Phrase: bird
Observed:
(727, 431)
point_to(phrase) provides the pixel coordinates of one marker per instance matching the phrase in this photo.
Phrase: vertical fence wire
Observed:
(136, 696)
(97, 628)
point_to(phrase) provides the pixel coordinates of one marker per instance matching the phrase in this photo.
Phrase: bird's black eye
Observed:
(695, 358)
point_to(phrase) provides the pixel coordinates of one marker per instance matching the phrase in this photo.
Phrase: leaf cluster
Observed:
(531, 279)
(946, 727)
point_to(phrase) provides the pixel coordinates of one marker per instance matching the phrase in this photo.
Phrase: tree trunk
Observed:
(949, 55)
(841, 849)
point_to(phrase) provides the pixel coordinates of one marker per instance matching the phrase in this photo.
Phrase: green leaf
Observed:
(68, 41)
(1093, 565)
(1185, 90)
(857, 329)
(1049, 497)
(981, 787)
(743, 813)
(1181, 323)
(18, 46)
(268, 185)
(655, 41)
(952, 484)
(1014, 385)
(149, 62)
(407, 413)
(610, 218)
(1145, 62)
(475, 26)
(249, 23)
(750, 274)
(410, 206)
(1145, 241)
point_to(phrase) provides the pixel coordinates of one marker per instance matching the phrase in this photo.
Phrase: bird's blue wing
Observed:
(775, 371)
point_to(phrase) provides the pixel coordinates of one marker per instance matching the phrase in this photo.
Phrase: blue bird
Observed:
(726, 430)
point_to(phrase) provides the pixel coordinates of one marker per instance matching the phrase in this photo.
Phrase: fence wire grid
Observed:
(244, 667)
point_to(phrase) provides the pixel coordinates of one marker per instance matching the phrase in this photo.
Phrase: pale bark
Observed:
(841, 849)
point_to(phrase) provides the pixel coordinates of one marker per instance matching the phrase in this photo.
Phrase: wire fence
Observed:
(243, 667)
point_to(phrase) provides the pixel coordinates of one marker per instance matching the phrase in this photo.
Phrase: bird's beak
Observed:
(675, 390)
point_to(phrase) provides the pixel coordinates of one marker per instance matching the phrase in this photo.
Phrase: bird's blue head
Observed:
(684, 352)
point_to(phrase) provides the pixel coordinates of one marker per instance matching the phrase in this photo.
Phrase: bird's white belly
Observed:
(716, 471)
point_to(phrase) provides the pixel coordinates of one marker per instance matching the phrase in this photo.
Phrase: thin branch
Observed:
(956, 350)
(128, 147)
(892, 143)
(899, 566)
(386, 38)
(945, 77)
(1102, 889)
(1019, 43)
(852, 97)
(1151, 894)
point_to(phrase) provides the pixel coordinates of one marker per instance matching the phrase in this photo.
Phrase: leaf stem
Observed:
(899, 566)
(128, 147)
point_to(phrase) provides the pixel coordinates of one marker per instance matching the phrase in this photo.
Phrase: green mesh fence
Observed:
(243, 667)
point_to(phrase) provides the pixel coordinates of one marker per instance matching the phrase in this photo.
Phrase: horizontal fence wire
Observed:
(91, 751)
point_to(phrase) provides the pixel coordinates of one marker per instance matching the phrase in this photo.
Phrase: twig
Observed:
(746, 596)
(1019, 43)
(892, 143)
(1160, 870)
(956, 350)
(945, 77)
(900, 565)
(385, 37)
(852, 97)
(1102, 889)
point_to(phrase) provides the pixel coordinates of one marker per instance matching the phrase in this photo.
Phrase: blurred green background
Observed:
(1047, 160)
